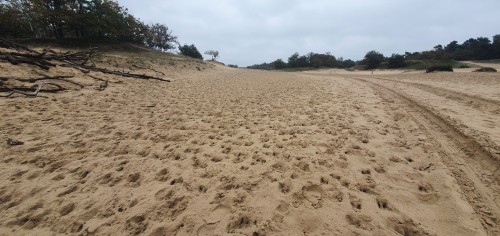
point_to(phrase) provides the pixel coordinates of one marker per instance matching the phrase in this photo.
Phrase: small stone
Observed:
(13, 142)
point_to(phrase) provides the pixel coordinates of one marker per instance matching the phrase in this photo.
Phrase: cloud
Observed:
(249, 32)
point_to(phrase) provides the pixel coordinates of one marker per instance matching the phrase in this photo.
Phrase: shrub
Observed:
(190, 51)
(233, 66)
(396, 61)
(486, 69)
(373, 59)
(279, 64)
(464, 66)
(439, 68)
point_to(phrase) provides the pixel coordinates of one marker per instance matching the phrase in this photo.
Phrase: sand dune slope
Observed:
(237, 152)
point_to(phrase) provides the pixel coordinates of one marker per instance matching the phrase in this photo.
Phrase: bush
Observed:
(439, 68)
(279, 64)
(396, 61)
(190, 51)
(373, 59)
(233, 66)
(486, 69)
(464, 66)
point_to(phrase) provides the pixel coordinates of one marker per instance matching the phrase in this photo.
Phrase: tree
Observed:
(322, 60)
(293, 60)
(296, 61)
(496, 46)
(88, 19)
(160, 37)
(373, 59)
(396, 61)
(213, 53)
(190, 51)
(279, 64)
(345, 63)
(438, 47)
(451, 47)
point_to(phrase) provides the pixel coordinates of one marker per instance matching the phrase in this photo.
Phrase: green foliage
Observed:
(396, 61)
(297, 61)
(439, 68)
(373, 59)
(190, 51)
(279, 64)
(158, 36)
(480, 48)
(341, 63)
(89, 19)
(322, 60)
(232, 66)
(262, 66)
(312, 60)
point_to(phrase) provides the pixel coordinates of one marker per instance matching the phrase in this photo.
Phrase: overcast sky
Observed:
(247, 32)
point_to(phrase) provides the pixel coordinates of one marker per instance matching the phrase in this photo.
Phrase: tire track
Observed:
(482, 104)
(474, 168)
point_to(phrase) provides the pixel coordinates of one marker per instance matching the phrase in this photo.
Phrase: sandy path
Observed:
(248, 152)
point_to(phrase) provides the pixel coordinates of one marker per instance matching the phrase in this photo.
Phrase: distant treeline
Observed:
(84, 19)
(472, 49)
(311, 60)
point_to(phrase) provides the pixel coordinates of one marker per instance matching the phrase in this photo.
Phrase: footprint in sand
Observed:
(206, 230)
(355, 202)
(426, 193)
(382, 203)
(218, 214)
(314, 194)
(212, 221)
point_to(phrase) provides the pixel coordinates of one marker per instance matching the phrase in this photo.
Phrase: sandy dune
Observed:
(223, 151)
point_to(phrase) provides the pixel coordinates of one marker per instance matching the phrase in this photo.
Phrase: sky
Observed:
(248, 32)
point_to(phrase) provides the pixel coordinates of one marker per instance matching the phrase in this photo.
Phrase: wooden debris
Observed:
(48, 58)
(13, 142)
(14, 91)
(145, 68)
(125, 74)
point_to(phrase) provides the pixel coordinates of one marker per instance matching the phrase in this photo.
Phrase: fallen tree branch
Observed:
(124, 74)
(10, 45)
(102, 80)
(58, 88)
(14, 91)
(15, 59)
(47, 77)
(49, 58)
(78, 67)
(144, 68)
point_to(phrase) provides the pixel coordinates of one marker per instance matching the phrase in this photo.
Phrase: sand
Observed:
(223, 151)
